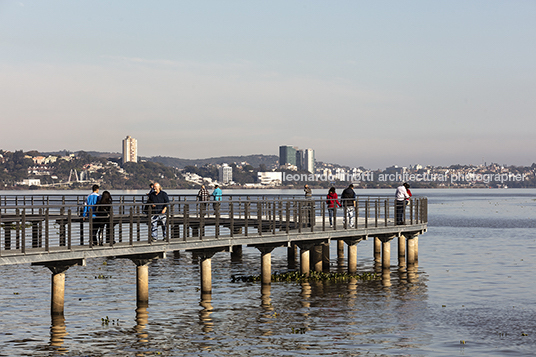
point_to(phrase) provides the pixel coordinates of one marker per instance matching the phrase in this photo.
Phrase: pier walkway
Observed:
(49, 230)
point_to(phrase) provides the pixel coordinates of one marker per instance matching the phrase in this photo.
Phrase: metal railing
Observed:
(44, 223)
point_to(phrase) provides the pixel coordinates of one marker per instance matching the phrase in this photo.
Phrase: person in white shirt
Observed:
(401, 195)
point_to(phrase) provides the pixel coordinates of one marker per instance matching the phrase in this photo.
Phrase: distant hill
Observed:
(254, 160)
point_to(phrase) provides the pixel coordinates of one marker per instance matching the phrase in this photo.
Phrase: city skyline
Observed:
(364, 84)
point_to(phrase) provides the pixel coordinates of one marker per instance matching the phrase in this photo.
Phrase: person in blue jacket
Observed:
(216, 194)
(89, 208)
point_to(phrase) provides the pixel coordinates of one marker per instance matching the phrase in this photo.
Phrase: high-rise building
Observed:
(130, 149)
(309, 160)
(225, 173)
(300, 157)
(287, 155)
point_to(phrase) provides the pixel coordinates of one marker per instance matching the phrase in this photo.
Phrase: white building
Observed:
(31, 182)
(270, 178)
(309, 160)
(130, 149)
(225, 173)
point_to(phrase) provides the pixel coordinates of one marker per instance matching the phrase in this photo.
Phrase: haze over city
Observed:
(368, 84)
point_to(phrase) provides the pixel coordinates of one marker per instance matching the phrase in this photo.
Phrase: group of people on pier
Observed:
(348, 197)
(98, 207)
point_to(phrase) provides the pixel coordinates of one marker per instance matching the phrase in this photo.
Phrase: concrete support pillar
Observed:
(236, 253)
(58, 293)
(352, 258)
(142, 262)
(386, 255)
(142, 284)
(325, 257)
(411, 251)
(416, 248)
(206, 275)
(292, 254)
(340, 250)
(401, 250)
(304, 261)
(316, 258)
(377, 249)
(266, 268)
(266, 262)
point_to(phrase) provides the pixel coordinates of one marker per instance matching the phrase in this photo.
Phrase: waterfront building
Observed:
(225, 173)
(130, 149)
(270, 178)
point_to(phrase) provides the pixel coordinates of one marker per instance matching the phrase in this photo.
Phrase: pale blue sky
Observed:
(364, 83)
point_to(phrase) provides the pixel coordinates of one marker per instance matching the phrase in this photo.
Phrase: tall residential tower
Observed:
(130, 149)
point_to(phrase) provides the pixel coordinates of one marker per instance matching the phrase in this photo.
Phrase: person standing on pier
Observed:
(159, 200)
(348, 200)
(308, 191)
(333, 201)
(103, 209)
(202, 197)
(89, 208)
(401, 195)
(217, 194)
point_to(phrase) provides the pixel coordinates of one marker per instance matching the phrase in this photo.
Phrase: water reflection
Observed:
(142, 318)
(58, 331)
(266, 300)
(204, 314)
(305, 295)
(386, 278)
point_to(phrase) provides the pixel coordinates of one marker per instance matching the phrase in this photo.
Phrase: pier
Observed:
(49, 231)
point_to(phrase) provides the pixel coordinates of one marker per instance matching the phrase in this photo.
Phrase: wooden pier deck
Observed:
(50, 231)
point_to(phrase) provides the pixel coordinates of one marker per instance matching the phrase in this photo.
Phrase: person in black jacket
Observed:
(102, 219)
(348, 201)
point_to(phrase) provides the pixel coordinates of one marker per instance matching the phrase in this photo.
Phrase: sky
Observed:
(363, 83)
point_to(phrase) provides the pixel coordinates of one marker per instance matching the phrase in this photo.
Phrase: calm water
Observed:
(474, 283)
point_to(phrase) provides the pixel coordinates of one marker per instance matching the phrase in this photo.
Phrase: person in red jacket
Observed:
(332, 200)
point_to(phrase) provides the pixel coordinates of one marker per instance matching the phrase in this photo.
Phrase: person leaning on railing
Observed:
(401, 197)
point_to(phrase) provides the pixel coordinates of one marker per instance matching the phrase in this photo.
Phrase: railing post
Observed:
(69, 228)
(23, 231)
(411, 211)
(246, 217)
(186, 222)
(323, 204)
(131, 225)
(259, 217)
(274, 211)
(386, 211)
(167, 224)
(300, 219)
(376, 213)
(287, 217)
(217, 207)
(231, 218)
(356, 213)
(47, 236)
